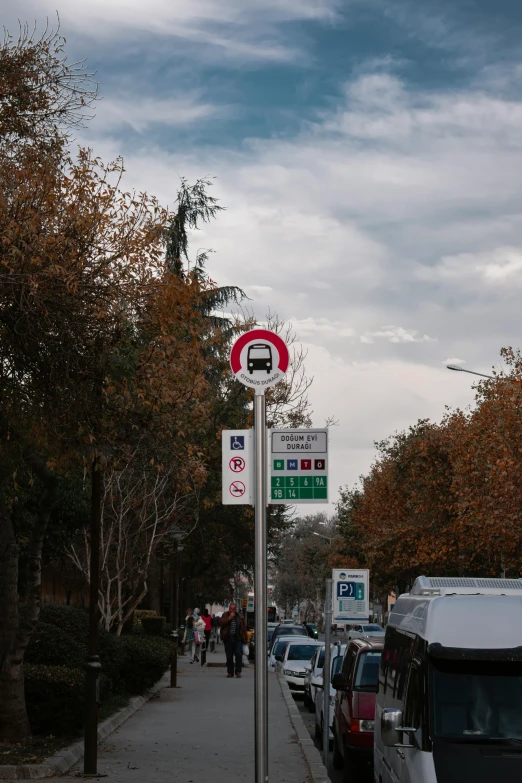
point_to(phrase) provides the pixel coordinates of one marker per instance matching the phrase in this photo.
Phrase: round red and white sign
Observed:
(259, 359)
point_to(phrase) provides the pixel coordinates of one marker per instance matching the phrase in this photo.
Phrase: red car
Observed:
(356, 684)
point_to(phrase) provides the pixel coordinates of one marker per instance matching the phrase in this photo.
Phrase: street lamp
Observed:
(471, 372)
(320, 535)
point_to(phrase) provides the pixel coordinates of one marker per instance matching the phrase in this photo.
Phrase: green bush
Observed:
(70, 619)
(154, 626)
(147, 659)
(52, 646)
(75, 623)
(54, 698)
(138, 616)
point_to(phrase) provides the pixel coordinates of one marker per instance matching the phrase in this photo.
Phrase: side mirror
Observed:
(339, 682)
(279, 658)
(392, 729)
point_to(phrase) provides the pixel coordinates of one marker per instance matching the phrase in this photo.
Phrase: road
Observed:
(335, 775)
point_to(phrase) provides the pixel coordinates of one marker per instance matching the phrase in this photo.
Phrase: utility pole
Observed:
(93, 665)
(326, 669)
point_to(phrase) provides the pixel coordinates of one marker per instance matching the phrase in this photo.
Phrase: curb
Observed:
(64, 759)
(313, 758)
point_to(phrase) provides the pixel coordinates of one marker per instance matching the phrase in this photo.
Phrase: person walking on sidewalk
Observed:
(188, 639)
(207, 619)
(215, 626)
(234, 635)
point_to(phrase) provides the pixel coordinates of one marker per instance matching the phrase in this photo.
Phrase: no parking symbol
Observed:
(237, 464)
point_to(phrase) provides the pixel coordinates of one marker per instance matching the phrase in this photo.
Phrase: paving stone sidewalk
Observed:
(203, 732)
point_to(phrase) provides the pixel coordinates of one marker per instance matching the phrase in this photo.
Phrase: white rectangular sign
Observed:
(299, 441)
(351, 601)
(237, 448)
(298, 466)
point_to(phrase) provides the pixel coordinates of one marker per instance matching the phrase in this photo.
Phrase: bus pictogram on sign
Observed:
(237, 464)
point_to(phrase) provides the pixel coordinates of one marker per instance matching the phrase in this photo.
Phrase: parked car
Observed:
(365, 631)
(287, 630)
(356, 684)
(291, 663)
(450, 689)
(312, 671)
(311, 630)
(278, 649)
(335, 666)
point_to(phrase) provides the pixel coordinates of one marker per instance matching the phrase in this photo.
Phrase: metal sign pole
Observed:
(326, 669)
(260, 587)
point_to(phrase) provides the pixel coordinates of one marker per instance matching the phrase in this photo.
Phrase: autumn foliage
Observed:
(445, 499)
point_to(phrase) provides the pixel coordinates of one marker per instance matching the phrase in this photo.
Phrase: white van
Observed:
(449, 706)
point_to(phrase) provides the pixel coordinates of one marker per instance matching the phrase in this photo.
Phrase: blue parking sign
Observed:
(237, 442)
(345, 589)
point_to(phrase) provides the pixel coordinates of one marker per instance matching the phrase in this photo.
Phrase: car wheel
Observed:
(351, 767)
(318, 733)
(337, 756)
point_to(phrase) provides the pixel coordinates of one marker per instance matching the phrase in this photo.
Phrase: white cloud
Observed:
(502, 266)
(140, 113)
(396, 334)
(453, 360)
(238, 30)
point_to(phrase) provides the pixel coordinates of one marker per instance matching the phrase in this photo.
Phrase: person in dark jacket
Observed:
(234, 635)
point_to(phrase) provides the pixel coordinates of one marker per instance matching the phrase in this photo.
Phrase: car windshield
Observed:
(259, 353)
(370, 628)
(270, 633)
(477, 701)
(289, 631)
(280, 647)
(320, 662)
(301, 652)
(367, 672)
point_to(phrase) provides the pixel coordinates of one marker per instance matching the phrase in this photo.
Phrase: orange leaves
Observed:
(447, 498)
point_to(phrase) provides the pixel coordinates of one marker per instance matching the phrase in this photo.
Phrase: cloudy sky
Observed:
(369, 155)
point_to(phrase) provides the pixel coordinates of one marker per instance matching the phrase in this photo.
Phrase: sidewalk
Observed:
(203, 732)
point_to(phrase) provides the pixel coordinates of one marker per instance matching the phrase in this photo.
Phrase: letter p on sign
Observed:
(345, 589)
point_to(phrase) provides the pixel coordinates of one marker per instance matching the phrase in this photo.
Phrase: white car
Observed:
(291, 664)
(278, 649)
(336, 662)
(365, 631)
(312, 671)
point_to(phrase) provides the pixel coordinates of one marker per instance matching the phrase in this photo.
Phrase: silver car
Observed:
(366, 631)
(291, 664)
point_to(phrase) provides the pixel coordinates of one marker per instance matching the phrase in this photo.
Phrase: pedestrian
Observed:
(189, 614)
(215, 626)
(199, 633)
(189, 637)
(207, 619)
(234, 635)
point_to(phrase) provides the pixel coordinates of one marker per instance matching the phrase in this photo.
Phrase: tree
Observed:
(444, 499)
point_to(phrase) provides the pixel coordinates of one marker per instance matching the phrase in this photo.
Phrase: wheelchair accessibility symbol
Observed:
(237, 464)
(237, 442)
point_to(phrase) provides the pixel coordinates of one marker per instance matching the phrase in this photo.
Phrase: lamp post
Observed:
(456, 368)
(320, 535)
(176, 535)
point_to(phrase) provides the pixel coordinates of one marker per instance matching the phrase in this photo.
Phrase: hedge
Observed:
(54, 674)
(154, 626)
(52, 646)
(147, 659)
